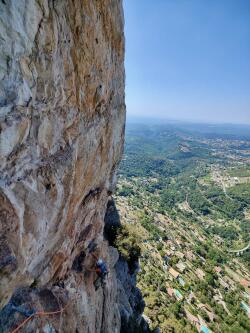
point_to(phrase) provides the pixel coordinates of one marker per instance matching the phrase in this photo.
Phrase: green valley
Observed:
(183, 195)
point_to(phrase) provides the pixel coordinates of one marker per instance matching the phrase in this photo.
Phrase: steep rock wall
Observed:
(129, 297)
(62, 116)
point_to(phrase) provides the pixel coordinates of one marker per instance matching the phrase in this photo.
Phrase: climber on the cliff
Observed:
(102, 271)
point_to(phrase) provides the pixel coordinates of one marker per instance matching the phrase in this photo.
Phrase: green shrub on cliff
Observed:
(128, 242)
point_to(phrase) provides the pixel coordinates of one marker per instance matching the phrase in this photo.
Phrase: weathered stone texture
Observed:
(62, 116)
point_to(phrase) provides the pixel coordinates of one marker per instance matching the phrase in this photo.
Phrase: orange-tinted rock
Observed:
(62, 115)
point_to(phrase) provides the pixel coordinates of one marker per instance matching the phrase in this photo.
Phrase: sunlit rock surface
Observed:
(62, 116)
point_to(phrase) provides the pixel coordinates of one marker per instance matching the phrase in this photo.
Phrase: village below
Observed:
(184, 199)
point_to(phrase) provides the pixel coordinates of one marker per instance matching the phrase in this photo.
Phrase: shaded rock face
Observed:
(130, 300)
(129, 297)
(62, 117)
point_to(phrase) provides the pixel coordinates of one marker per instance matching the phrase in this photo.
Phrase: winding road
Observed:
(241, 250)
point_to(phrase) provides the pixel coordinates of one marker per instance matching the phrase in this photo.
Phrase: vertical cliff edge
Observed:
(62, 118)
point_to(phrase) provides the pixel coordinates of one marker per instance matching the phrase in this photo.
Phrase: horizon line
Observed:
(183, 120)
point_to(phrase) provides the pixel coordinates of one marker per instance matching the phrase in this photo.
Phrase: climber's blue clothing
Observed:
(26, 313)
(102, 269)
(11, 307)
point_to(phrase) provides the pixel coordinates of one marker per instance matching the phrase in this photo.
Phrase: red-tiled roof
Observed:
(245, 283)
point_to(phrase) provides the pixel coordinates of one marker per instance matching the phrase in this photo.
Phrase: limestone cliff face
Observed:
(62, 116)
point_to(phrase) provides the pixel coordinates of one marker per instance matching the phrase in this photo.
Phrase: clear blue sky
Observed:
(188, 59)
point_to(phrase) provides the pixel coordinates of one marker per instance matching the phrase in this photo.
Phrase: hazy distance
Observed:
(188, 59)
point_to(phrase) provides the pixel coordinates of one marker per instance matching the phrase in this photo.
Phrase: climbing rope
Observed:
(30, 315)
(22, 324)
(40, 314)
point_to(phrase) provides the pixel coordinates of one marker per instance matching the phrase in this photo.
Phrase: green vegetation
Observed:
(128, 242)
(185, 199)
(239, 172)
